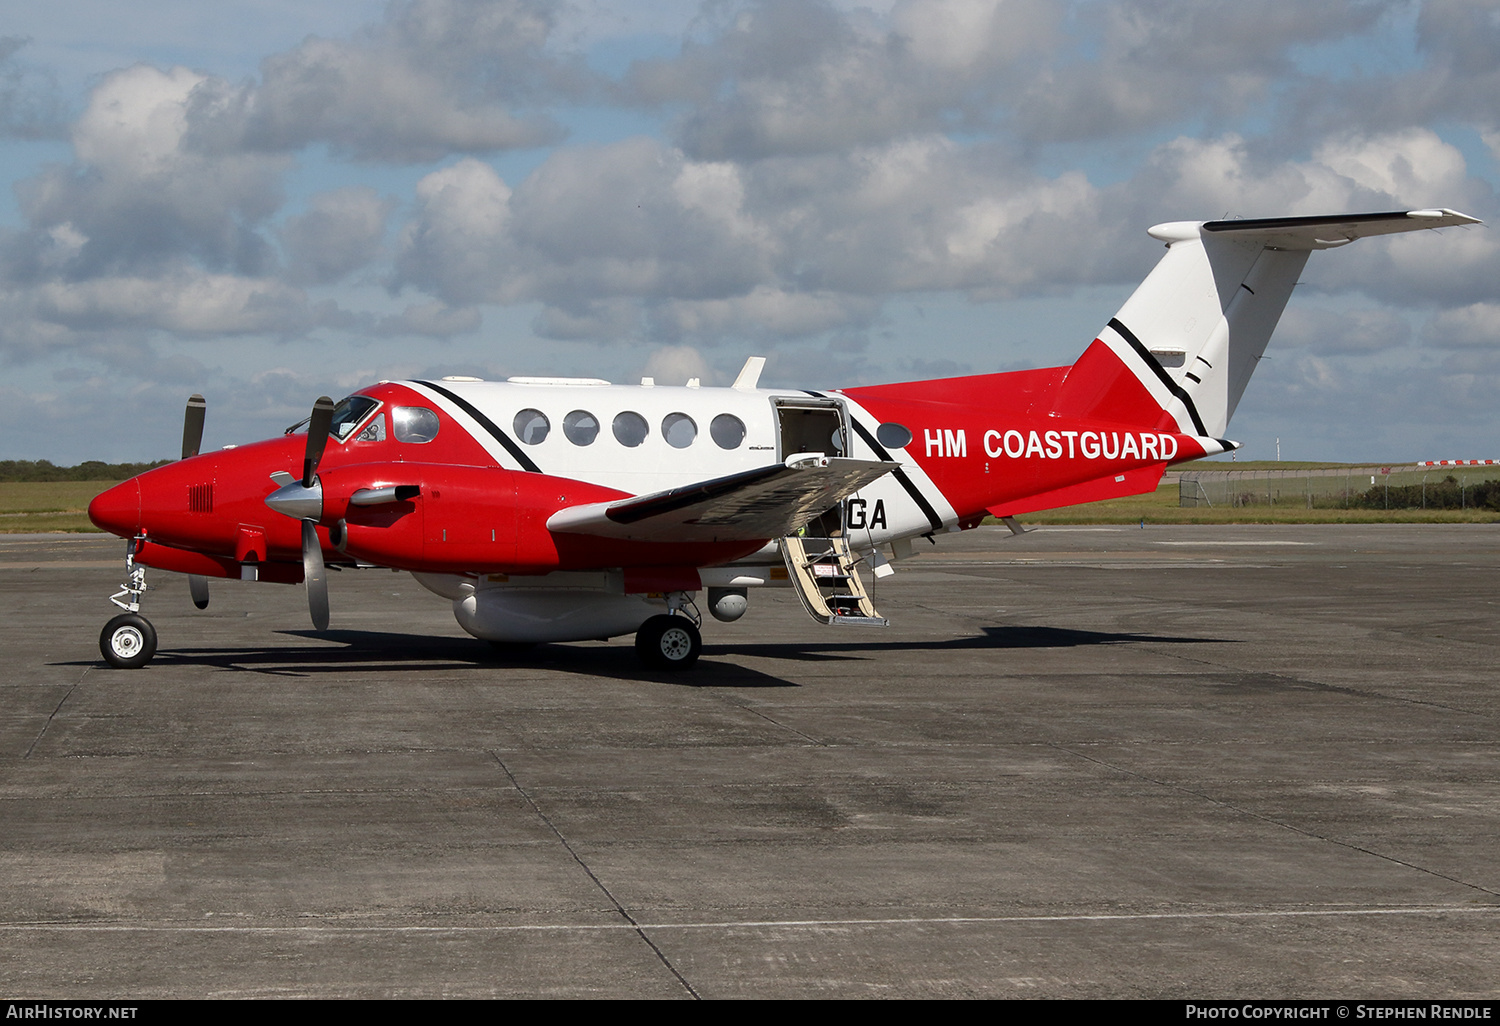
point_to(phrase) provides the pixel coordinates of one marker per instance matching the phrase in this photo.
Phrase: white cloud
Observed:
(140, 194)
(764, 311)
(436, 77)
(1326, 332)
(674, 365)
(436, 320)
(30, 106)
(1474, 326)
(188, 303)
(340, 233)
(452, 247)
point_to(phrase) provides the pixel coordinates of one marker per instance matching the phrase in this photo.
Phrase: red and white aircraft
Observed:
(564, 509)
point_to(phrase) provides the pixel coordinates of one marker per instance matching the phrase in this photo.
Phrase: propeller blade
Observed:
(192, 427)
(315, 575)
(198, 588)
(318, 427)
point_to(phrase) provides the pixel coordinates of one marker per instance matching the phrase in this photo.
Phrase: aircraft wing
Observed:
(765, 503)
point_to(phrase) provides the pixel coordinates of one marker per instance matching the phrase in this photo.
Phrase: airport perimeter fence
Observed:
(1372, 487)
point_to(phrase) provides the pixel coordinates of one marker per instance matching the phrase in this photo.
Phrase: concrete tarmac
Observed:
(1191, 762)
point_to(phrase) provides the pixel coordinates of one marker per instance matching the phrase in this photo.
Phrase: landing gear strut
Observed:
(129, 641)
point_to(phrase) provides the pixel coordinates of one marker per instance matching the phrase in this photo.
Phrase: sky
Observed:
(264, 201)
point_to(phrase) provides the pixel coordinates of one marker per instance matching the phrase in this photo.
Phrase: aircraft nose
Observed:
(118, 509)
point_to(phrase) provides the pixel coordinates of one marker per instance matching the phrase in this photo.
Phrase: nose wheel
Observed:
(128, 641)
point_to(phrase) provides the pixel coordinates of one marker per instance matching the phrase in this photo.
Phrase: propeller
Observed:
(317, 438)
(313, 570)
(315, 574)
(192, 426)
(192, 442)
(303, 500)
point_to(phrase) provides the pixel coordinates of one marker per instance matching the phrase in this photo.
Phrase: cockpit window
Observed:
(413, 424)
(374, 431)
(348, 415)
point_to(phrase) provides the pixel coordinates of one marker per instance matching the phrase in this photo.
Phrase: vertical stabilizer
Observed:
(1181, 350)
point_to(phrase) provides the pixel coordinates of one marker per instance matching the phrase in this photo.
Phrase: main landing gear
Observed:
(672, 641)
(668, 643)
(129, 641)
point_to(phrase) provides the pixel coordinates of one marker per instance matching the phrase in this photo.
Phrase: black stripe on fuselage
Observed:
(899, 474)
(489, 425)
(1161, 372)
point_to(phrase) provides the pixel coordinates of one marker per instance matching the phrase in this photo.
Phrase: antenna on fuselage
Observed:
(750, 373)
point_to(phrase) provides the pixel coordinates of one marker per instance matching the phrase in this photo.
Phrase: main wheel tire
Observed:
(128, 641)
(668, 643)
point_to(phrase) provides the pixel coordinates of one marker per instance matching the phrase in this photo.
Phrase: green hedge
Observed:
(1444, 494)
(90, 470)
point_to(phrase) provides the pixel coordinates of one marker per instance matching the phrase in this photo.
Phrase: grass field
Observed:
(1161, 508)
(37, 506)
(30, 506)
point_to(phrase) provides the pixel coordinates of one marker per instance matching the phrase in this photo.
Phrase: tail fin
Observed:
(1181, 350)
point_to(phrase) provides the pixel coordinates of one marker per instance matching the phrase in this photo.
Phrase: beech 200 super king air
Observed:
(568, 509)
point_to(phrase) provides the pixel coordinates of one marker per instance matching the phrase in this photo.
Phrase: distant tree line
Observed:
(89, 470)
(1444, 494)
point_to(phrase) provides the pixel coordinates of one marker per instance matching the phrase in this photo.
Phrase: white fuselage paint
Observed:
(654, 465)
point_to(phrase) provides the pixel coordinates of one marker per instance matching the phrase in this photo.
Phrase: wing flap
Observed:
(764, 503)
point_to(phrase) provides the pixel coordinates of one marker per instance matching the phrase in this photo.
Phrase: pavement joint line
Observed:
(1279, 823)
(43, 732)
(732, 924)
(629, 919)
(776, 723)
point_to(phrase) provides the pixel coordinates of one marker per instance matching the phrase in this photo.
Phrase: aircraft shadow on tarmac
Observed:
(397, 652)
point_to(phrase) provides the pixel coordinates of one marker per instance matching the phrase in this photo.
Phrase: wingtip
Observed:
(1453, 217)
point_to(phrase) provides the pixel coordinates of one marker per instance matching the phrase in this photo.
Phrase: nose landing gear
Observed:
(129, 641)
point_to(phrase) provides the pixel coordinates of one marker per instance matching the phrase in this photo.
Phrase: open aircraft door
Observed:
(822, 568)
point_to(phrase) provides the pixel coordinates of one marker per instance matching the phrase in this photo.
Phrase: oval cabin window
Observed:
(630, 429)
(893, 436)
(727, 431)
(581, 427)
(679, 430)
(531, 426)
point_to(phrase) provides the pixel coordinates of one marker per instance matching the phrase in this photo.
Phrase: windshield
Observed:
(347, 416)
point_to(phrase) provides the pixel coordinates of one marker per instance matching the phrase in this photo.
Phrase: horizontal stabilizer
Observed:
(1323, 231)
(765, 503)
